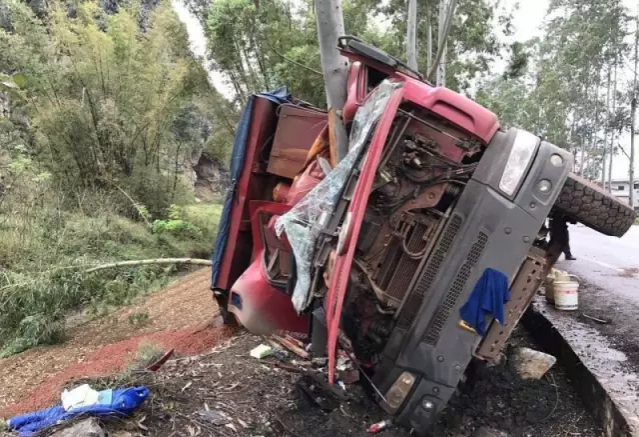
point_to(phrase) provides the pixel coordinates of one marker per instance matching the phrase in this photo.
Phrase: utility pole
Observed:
(594, 140)
(441, 43)
(583, 138)
(429, 56)
(438, 68)
(612, 131)
(330, 26)
(605, 144)
(633, 112)
(411, 35)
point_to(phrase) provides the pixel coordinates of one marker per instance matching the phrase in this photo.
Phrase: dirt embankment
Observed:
(178, 316)
(272, 398)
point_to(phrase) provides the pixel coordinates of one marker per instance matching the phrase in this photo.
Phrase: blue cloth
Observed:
(278, 97)
(488, 298)
(123, 403)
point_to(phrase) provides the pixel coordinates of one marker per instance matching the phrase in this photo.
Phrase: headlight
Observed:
(399, 390)
(523, 149)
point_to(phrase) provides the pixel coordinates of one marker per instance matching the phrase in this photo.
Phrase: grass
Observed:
(147, 354)
(45, 248)
(139, 319)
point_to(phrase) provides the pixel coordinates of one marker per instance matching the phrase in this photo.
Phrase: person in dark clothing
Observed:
(559, 233)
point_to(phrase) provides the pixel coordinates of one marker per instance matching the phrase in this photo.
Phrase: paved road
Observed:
(609, 263)
(609, 269)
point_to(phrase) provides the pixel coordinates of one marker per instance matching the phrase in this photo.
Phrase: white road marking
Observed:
(602, 264)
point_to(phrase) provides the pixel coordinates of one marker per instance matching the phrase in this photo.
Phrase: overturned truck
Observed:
(419, 250)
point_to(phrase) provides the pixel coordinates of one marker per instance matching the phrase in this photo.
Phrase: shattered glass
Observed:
(304, 222)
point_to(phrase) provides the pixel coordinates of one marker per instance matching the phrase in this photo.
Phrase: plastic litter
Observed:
(121, 402)
(81, 396)
(343, 363)
(379, 426)
(261, 351)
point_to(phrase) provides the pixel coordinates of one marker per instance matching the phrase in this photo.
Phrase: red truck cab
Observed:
(384, 248)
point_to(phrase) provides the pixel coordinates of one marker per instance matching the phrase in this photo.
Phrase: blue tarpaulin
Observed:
(123, 403)
(278, 97)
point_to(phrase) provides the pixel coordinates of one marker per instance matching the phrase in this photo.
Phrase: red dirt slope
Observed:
(180, 317)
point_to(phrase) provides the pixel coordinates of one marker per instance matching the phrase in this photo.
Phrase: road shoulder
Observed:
(605, 375)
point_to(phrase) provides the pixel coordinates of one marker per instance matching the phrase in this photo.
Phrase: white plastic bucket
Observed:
(566, 294)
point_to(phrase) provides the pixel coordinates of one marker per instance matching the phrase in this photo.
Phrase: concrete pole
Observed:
(438, 69)
(633, 113)
(441, 44)
(330, 26)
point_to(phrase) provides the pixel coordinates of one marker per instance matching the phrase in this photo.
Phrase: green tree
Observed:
(111, 104)
(275, 43)
(561, 92)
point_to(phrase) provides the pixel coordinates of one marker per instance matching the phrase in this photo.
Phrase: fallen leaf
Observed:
(230, 425)
(189, 384)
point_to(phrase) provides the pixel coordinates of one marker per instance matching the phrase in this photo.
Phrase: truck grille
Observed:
(392, 258)
(432, 334)
(412, 305)
(403, 268)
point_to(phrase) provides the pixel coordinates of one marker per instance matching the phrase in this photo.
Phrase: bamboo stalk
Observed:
(156, 261)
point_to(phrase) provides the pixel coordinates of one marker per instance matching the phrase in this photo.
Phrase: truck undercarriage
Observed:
(377, 253)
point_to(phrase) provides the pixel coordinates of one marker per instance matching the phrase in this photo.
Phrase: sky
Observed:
(528, 18)
(198, 46)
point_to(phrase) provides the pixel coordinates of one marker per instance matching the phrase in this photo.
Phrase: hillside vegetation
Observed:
(104, 114)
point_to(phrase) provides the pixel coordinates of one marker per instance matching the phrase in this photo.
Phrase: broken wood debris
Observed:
(292, 345)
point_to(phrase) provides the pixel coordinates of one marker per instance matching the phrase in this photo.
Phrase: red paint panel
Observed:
(264, 308)
(356, 90)
(453, 107)
(237, 253)
(343, 263)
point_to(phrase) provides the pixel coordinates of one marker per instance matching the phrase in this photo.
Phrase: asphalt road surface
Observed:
(609, 263)
(604, 331)
(609, 271)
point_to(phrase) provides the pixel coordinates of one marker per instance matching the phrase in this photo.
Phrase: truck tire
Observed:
(587, 203)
